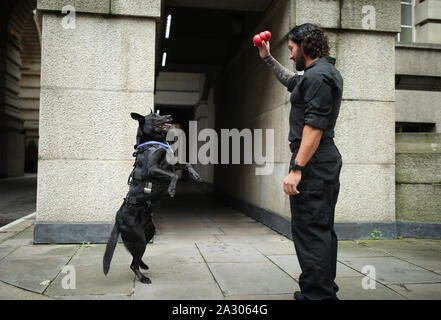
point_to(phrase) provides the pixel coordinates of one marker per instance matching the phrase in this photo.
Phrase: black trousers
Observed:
(312, 218)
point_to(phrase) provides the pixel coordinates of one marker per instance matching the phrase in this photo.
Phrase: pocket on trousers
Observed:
(311, 205)
(326, 154)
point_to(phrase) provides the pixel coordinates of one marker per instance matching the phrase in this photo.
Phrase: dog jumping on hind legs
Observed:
(150, 181)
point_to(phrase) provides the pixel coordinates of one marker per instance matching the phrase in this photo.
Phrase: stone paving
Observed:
(18, 197)
(205, 250)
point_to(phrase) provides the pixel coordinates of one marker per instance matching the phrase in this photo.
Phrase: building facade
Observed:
(102, 60)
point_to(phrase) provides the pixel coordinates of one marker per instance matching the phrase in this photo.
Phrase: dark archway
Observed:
(16, 20)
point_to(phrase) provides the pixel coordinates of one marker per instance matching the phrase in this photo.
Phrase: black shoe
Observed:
(299, 296)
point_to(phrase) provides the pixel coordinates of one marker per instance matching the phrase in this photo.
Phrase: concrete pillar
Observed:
(92, 76)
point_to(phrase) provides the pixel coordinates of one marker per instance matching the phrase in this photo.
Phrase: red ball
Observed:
(268, 34)
(257, 40)
(263, 36)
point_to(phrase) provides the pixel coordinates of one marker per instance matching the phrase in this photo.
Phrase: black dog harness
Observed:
(140, 190)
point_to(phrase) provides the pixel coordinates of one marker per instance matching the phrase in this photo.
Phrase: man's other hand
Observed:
(291, 182)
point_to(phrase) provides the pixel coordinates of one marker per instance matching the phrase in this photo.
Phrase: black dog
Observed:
(150, 180)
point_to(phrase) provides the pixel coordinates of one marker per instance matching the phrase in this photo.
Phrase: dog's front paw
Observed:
(146, 280)
(194, 175)
(172, 192)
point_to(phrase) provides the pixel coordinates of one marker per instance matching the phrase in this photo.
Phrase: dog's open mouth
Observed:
(164, 125)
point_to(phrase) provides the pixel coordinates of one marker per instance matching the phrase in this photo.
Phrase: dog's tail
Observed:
(110, 248)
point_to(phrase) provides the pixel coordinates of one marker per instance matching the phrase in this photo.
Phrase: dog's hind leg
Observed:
(149, 233)
(135, 267)
(137, 252)
(143, 265)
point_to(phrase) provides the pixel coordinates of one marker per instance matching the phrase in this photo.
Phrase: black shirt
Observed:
(315, 98)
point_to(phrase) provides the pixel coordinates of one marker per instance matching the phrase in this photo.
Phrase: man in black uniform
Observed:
(313, 180)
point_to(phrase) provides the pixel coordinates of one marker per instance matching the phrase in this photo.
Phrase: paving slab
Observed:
(93, 254)
(6, 235)
(287, 296)
(188, 231)
(173, 253)
(351, 289)
(247, 230)
(424, 254)
(434, 244)
(357, 250)
(390, 270)
(90, 280)
(252, 238)
(389, 245)
(190, 291)
(237, 224)
(17, 241)
(33, 267)
(96, 297)
(175, 219)
(419, 291)
(8, 292)
(20, 226)
(427, 259)
(182, 225)
(5, 250)
(177, 281)
(227, 218)
(238, 279)
(188, 238)
(27, 233)
(290, 264)
(226, 252)
(275, 247)
(179, 274)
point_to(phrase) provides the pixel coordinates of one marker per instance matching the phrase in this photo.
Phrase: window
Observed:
(410, 82)
(414, 127)
(407, 33)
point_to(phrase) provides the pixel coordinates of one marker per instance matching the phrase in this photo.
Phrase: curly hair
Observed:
(316, 43)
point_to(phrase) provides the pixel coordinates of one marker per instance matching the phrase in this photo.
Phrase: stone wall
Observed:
(421, 63)
(92, 77)
(418, 175)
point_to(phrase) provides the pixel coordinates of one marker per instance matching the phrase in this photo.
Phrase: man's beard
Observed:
(300, 61)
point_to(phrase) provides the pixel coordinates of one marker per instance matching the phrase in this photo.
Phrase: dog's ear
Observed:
(151, 111)
(137, 116)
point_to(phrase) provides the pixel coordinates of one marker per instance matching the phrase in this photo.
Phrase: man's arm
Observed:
(281, 73)
(310, 141)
